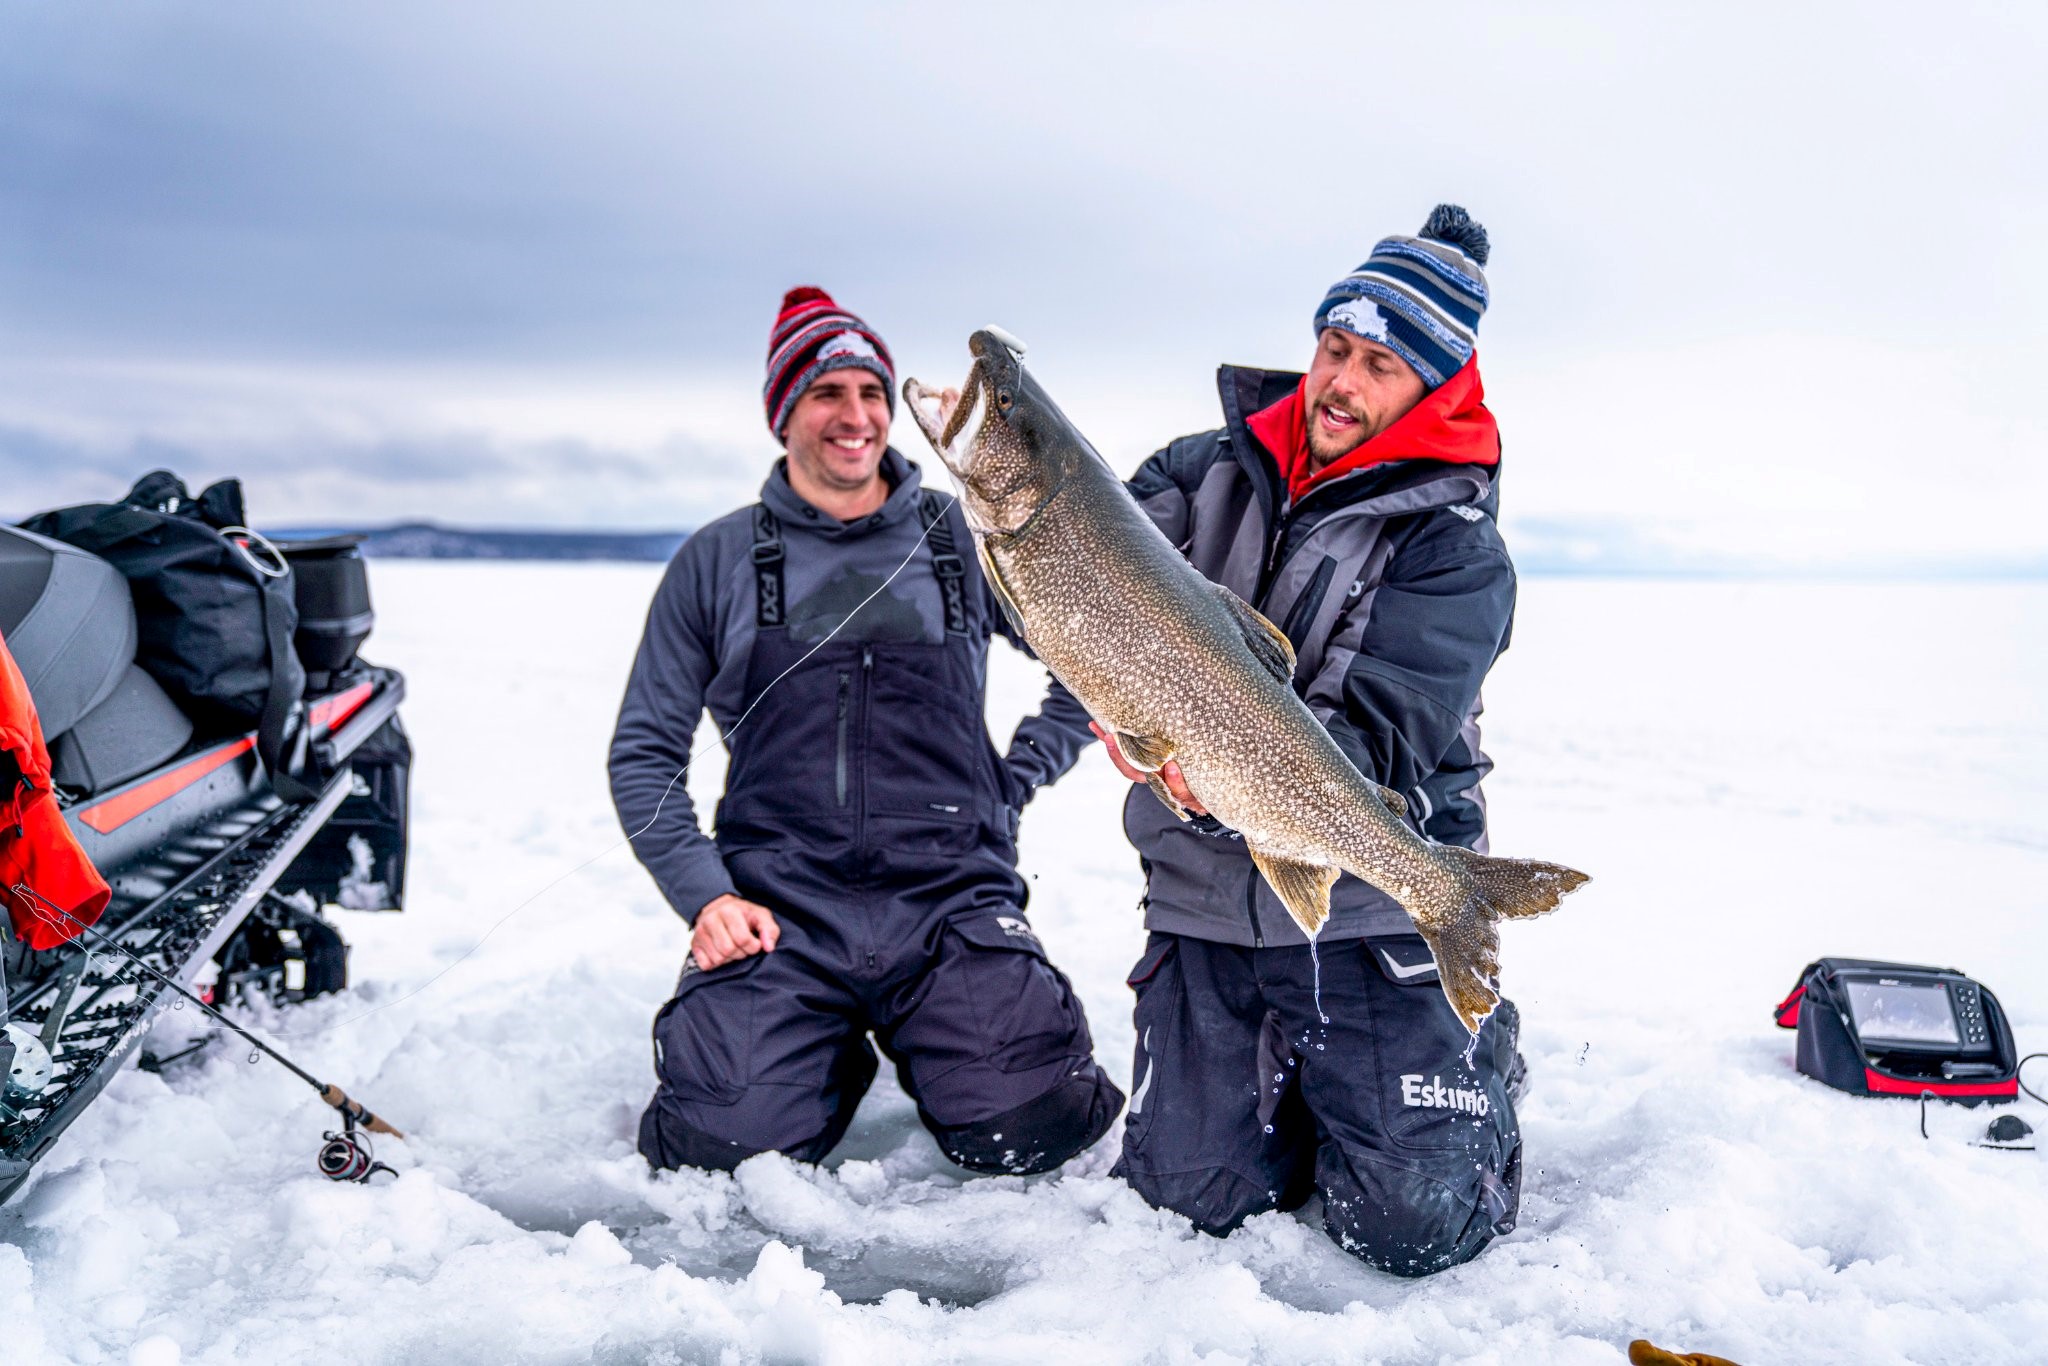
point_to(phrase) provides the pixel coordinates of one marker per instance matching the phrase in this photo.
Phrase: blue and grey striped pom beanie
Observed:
(1420, 297)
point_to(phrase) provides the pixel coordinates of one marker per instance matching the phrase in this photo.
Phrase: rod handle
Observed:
(338, 1098)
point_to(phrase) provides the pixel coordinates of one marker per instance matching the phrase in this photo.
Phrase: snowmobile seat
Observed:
(69, 622)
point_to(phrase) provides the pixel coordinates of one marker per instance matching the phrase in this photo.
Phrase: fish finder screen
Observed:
(1902, 1012)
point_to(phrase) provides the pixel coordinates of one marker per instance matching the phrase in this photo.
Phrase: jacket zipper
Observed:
(1274, 542)
(867, 680)
(839, 766)
(1277, 540)
(1251, 906)
(1309, 603)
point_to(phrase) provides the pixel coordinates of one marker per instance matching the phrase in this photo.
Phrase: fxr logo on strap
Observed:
(1434, 1095)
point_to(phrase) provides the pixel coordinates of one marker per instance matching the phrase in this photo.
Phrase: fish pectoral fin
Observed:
(1392, 800)
(1143, 752)
(1303, 888)
(1165, 794)
(1267, 642)
(1001, 589)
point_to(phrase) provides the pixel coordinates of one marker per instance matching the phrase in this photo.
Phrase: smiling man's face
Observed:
(1356, 390)
(837, 432)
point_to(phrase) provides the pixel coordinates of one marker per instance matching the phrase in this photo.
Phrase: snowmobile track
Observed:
(94, 1011)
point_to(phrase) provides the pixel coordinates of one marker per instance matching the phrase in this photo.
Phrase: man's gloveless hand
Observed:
(730, 928)
(1170, 773)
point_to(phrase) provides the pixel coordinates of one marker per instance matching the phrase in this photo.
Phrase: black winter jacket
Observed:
(1398, 594)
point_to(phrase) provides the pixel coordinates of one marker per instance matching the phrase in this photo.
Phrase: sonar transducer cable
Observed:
(347, 1155)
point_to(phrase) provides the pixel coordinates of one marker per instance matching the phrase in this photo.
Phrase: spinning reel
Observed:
(348, 1156)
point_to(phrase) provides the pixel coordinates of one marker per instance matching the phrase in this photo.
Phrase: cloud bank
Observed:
(513, 262)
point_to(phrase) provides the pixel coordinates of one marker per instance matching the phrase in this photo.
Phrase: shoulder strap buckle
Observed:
(947, 566)
(767, 569)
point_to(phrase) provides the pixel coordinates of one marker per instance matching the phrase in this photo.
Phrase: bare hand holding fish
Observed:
(1169, 773)
(1180, 669)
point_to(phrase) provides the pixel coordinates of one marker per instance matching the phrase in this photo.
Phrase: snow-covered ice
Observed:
(1755, 773)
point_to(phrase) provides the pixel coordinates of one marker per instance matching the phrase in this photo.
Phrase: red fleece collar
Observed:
(1451, 423)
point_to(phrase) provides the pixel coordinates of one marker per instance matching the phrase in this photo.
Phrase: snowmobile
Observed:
(210, 861)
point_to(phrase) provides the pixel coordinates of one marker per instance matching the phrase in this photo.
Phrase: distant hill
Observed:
(432, 541)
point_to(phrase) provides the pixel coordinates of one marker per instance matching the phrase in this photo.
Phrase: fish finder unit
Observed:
(1896, 1029)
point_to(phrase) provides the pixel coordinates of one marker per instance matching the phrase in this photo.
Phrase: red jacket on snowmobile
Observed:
(37, 850)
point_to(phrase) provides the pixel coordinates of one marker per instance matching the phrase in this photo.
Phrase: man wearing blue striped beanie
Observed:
(1353, 506)
(1420, 297)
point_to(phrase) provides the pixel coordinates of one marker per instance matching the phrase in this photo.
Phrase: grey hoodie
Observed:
(700, 634)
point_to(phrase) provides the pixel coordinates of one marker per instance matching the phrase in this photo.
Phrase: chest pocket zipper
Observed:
(839, 765)
(1309, 603)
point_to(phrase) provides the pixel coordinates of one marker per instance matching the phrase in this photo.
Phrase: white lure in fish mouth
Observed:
(1007, 338)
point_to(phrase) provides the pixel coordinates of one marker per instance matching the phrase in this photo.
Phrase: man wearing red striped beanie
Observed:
(863, 878)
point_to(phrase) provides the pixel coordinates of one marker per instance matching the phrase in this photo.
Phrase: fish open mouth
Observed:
(942, 414)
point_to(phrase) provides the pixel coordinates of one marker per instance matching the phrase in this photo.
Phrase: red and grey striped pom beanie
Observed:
(813, 335)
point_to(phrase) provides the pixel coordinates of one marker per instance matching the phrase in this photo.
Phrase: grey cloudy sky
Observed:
(1766, 277)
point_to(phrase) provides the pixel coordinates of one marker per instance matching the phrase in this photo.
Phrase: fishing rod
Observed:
(346, 1156)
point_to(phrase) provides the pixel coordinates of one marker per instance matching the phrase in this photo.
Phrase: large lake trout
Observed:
(1182, 669)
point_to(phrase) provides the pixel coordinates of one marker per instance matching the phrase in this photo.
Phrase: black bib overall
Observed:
(867, 809)
(871, 761)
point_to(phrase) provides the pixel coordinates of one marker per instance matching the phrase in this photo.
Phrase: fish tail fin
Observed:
(1468, 968)
(1467, 949)
(1514, 888)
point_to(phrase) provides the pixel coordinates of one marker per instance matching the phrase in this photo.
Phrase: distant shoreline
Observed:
(433, 541)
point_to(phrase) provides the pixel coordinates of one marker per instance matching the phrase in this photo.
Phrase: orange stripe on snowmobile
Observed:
(331, 712)
(117, 811)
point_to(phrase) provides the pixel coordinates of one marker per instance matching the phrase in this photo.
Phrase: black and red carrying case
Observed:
(1845, 1041)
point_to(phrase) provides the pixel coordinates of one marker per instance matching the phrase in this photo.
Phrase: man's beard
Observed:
(820, 467)
(1320, 453)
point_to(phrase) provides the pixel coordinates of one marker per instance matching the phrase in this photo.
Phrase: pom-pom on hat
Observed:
(814, 335)
(1420, 297)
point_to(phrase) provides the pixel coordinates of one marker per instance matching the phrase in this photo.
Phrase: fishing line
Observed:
(688, 759)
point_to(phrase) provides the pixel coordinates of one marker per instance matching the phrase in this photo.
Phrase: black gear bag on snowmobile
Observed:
(1898, 1029)
(215, 611)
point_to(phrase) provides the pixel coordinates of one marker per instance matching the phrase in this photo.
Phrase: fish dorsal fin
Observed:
(1267, 641)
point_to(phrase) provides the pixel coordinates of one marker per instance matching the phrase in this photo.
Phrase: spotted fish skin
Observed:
(1180, 668)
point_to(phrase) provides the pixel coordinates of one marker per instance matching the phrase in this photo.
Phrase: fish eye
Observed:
(1004, 399)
